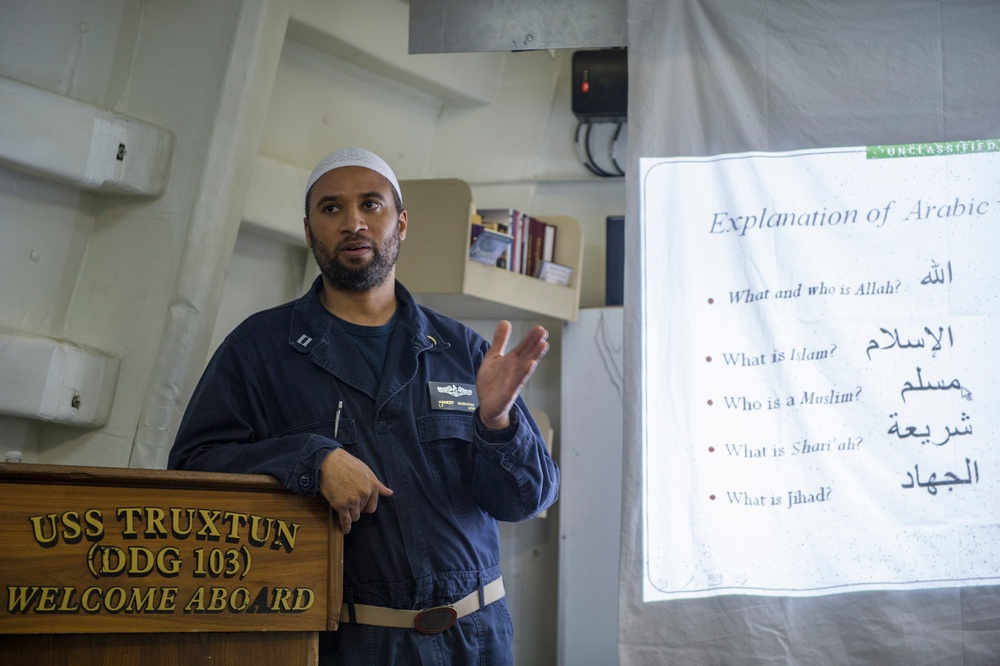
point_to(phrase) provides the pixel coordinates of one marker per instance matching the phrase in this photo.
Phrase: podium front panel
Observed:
(93, 550)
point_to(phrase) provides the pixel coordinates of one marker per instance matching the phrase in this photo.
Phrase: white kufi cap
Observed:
(346, 157)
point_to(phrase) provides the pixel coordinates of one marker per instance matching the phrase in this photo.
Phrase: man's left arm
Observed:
(515, 477)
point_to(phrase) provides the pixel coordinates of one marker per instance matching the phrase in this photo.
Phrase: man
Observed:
(336, 394)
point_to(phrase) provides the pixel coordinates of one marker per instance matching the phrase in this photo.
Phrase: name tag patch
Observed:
(453, 396)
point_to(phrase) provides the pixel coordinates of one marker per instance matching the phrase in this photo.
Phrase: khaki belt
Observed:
(427, 621)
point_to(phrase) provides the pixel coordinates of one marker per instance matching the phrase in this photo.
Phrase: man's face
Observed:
(354, 228)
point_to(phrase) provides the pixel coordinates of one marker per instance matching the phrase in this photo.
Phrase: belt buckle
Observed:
(435, 620)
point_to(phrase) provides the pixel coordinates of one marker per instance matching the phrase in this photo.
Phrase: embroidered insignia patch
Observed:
(453, 396)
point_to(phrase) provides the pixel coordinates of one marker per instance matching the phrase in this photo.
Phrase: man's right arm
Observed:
(225, 429)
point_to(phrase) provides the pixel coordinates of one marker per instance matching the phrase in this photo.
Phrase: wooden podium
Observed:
(102, 566)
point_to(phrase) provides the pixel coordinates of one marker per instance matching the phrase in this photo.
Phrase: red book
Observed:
(536, 245)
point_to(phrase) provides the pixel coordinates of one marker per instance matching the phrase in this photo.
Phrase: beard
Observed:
(358, 277)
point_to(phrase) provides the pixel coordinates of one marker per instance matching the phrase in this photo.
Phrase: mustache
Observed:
(355, 238)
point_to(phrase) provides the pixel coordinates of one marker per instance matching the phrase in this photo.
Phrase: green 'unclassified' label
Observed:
(933, 149)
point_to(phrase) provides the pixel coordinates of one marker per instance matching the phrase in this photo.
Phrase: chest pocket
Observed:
(447, 441)
(346, 432)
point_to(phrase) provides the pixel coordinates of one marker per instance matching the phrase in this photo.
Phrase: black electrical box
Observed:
(600, 85)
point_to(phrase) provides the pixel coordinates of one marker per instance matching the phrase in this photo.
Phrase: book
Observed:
(503, 220)
(488, 245)
(549, 247)
(532, 240)
(535, 245)
(614, 261)
(477, 228)
(492, 226)
(522, 242)
(554, 273)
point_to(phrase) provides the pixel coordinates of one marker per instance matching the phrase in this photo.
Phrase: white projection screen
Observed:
(820, 347)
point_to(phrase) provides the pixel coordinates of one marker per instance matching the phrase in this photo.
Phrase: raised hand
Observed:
(501, 375)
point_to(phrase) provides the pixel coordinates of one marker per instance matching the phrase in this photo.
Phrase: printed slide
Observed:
(821, 346)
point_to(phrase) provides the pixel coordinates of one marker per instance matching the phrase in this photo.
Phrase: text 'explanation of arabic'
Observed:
(819, 398)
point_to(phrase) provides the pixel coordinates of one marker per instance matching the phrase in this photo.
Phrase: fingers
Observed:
(372, 503)
(351, 512)
(501, 337)
(533, 345)
(350, 487)
(345, 522)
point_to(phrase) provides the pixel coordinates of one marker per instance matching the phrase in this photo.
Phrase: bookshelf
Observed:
(434, 260)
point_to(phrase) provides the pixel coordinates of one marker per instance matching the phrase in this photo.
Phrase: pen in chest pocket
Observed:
(336, 419)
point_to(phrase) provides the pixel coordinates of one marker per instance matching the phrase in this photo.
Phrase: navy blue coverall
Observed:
(267, 404)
